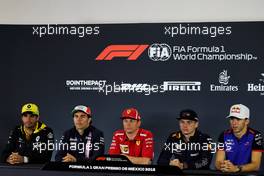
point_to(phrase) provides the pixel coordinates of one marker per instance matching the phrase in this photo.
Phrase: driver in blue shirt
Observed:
(243, 146)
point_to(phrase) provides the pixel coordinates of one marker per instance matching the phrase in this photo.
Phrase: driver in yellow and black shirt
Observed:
(28, 142)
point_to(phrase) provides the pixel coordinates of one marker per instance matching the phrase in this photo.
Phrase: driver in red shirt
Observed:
(133, 142)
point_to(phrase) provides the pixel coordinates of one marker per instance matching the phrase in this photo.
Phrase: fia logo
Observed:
(159, 52)
(223, 77)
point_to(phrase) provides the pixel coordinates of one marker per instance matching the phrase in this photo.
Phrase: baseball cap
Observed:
(85, 109)
(130, 113)
(30, 107)
(188, 114)
(239, 111)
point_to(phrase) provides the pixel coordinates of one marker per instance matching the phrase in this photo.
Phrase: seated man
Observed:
(28, 142)
(243, 145)
(176, 153)
(133, 142)
(83, 142)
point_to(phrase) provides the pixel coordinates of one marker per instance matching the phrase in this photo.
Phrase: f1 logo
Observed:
(130, 51)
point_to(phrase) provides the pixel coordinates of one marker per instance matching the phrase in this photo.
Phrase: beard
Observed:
(30, 125)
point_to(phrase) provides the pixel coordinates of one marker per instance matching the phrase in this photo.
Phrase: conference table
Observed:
(103, 169)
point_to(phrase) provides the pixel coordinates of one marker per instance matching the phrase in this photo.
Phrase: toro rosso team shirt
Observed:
(238, 151)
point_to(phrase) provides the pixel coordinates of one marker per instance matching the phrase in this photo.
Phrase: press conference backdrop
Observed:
(158, 68)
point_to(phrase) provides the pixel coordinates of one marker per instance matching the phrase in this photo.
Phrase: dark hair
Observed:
(83, 112)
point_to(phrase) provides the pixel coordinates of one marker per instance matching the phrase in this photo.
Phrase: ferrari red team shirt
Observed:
(141, 146)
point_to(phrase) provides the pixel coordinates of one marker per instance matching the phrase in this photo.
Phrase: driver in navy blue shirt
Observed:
(243, 146)
(83, 142)
(191, 157)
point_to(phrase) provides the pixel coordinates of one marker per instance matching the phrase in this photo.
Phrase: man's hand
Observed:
(15, 158)
(227, 166)
(138, 160)
(177, 163)
(69, 158)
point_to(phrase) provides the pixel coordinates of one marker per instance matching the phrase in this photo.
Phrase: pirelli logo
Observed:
(131, 52)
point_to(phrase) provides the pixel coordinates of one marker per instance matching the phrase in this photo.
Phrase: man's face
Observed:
(131, 125)
(29, 120)
(81, 120)
(237, 124)
(188, 126)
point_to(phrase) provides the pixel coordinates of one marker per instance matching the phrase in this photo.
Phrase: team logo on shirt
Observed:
(37, 138)
(138, 143)
(194, 154)
(50, 135)
(230, 143)
(20, 140)
(177, 135)
(124, 149)
(73, 139)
